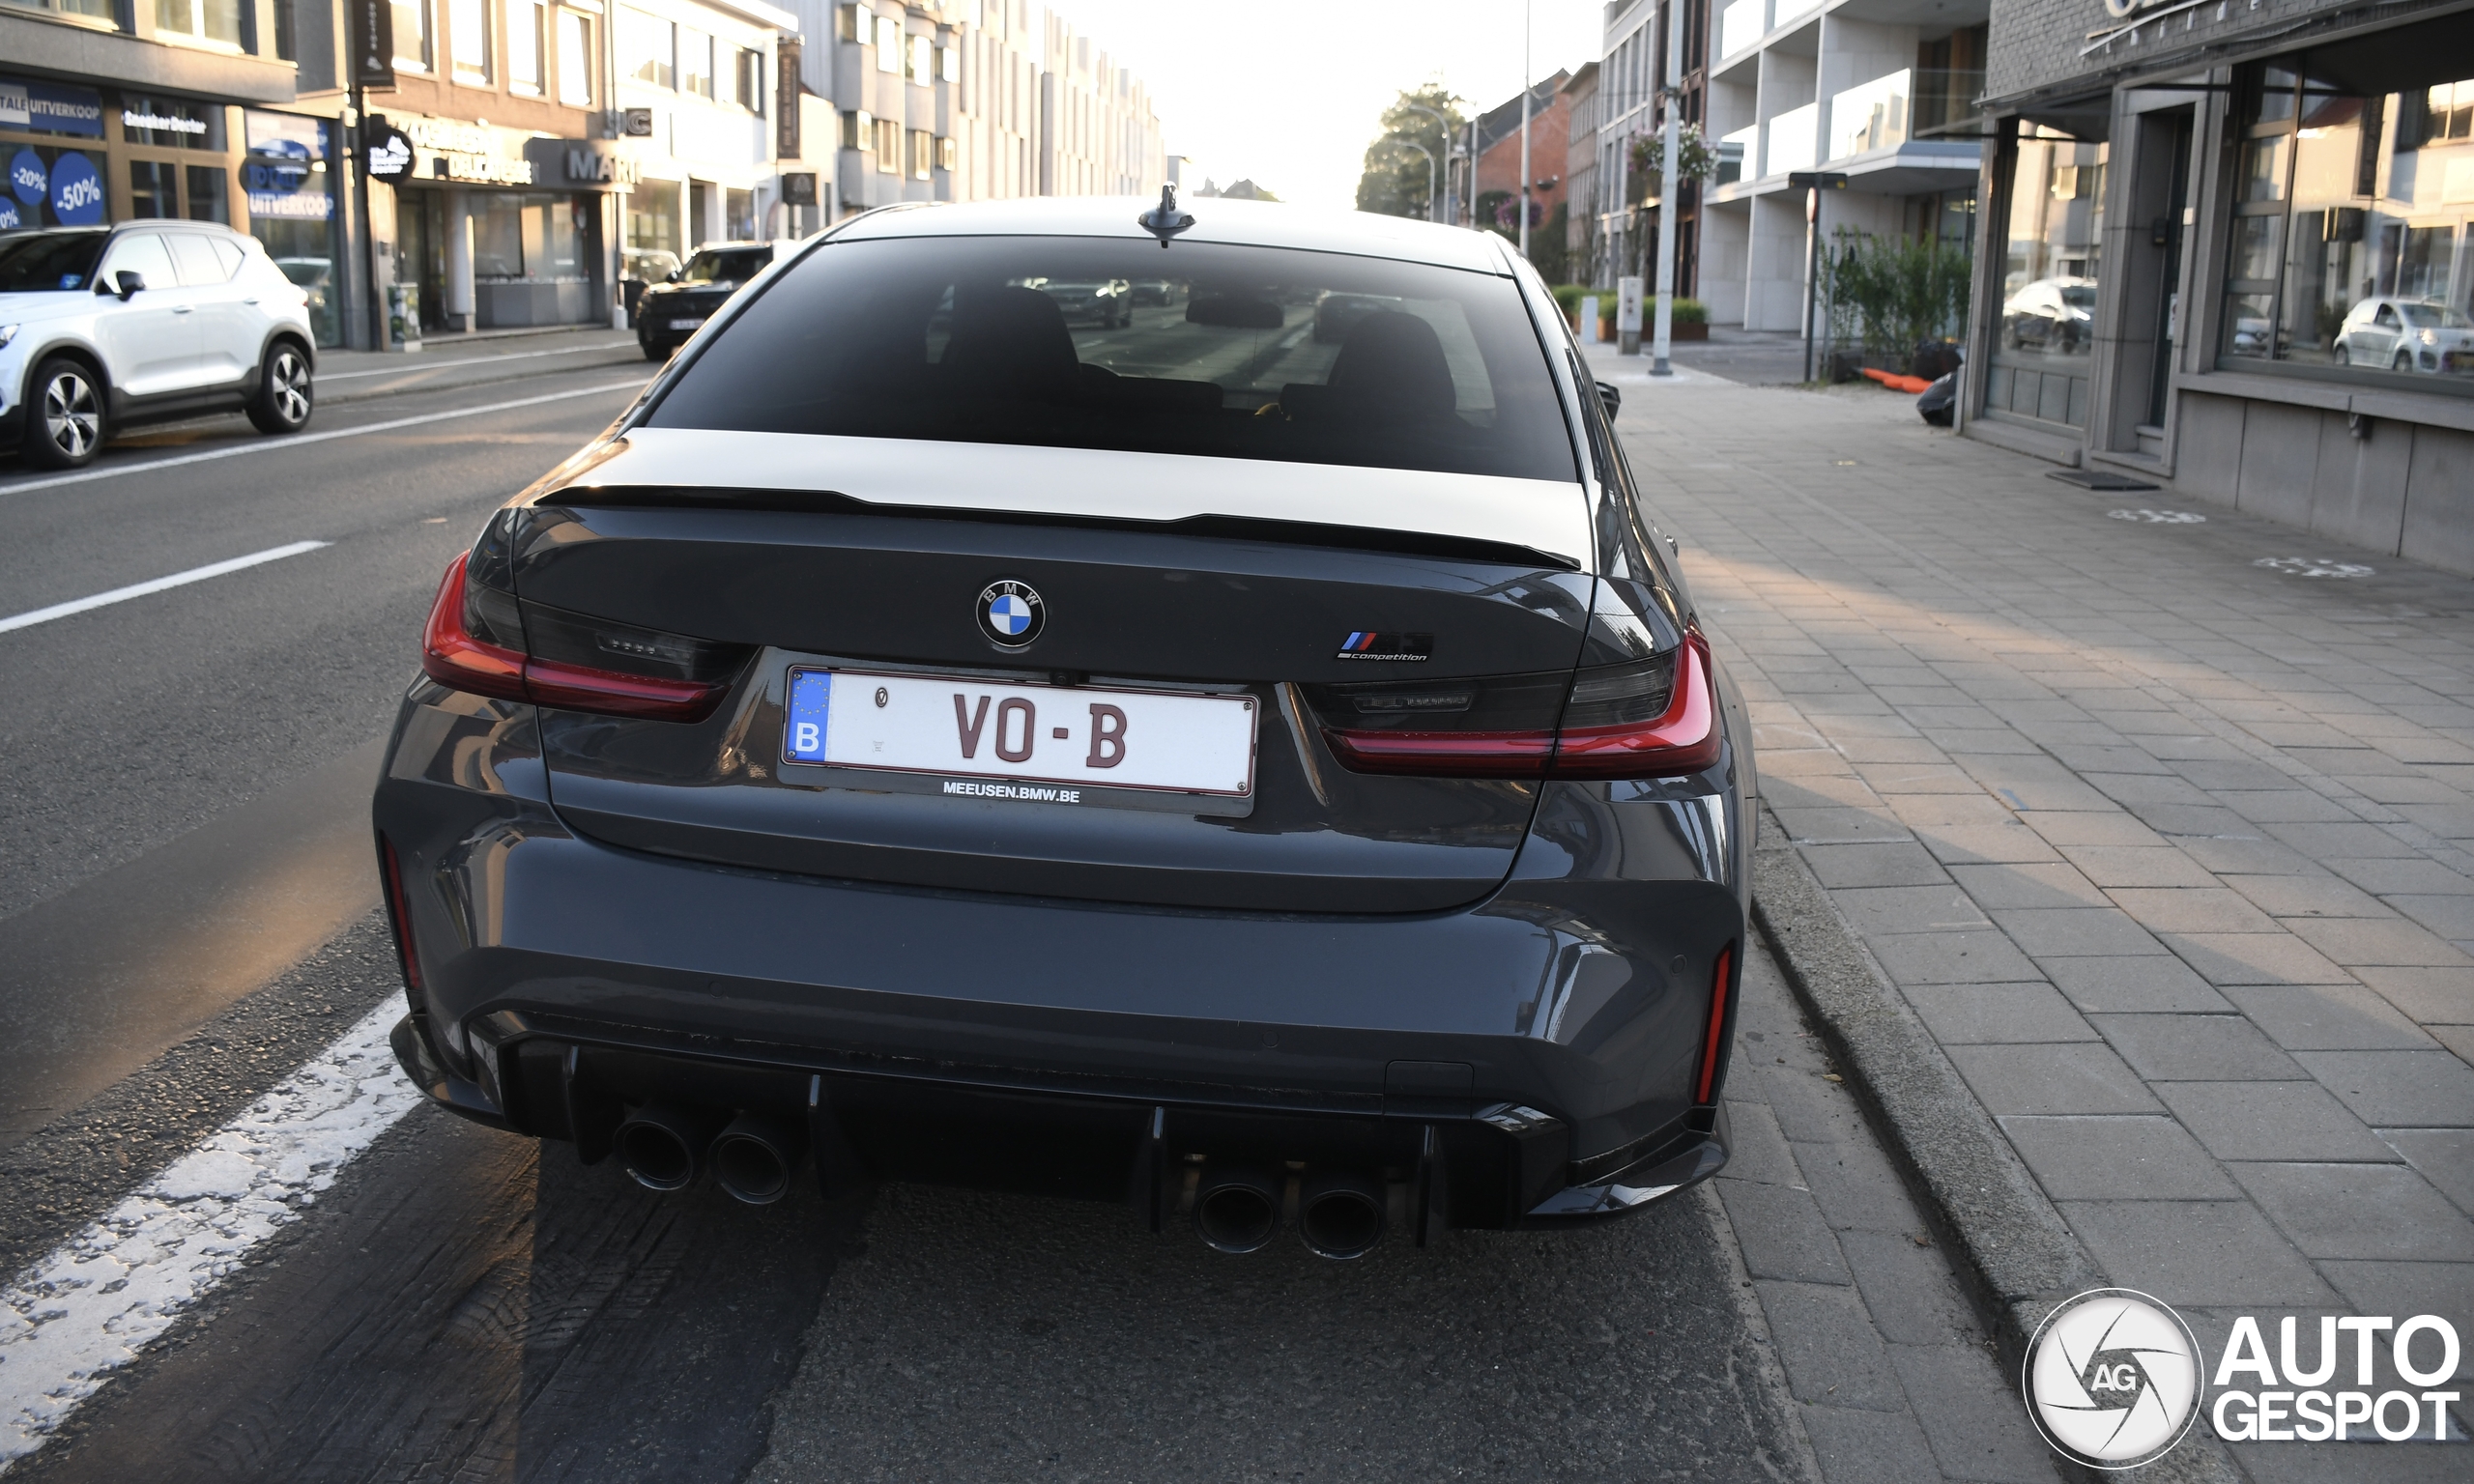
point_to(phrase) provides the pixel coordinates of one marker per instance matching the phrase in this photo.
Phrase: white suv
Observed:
(104, 326)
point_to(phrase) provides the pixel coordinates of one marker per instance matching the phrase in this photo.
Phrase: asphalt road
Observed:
(187, 913)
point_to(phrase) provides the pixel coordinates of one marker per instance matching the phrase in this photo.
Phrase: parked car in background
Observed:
(2407, 334)
(1108, 302)
(1154, 291)
(2051, 314)
(673, 309)
(640, 268)
(104, 327)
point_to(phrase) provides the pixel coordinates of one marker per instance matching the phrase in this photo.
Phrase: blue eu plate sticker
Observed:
(811, 699)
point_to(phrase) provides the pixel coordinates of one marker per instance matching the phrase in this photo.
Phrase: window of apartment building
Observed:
(2353, 215)
(207, 20)
(575, 59)
(923, 154)
(2046, 340)
(888, 146)
(945, 153)
(647, 48)
(888, 44)
(528, 34)
(92, 10)
(949, 63)
(416, 40)
(922, 61)
(848, 20)
(858, 131)
(468, 38)
(747, 80)
(695, 62)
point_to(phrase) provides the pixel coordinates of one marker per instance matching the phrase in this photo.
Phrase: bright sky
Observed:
(1290, 92)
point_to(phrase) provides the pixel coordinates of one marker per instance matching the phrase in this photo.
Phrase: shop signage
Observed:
(373, 38)
(49, 108)
(282, 174)
(798, 187)
(482, 169)
(161, 123)
(388, 153)
(637, 124)
(64, 181)
(588, 166)
(786, 100)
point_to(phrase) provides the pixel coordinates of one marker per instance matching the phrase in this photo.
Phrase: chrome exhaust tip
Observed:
(754, 1157)
(1340, 1213)
(661, 1147)
(1237, 1208)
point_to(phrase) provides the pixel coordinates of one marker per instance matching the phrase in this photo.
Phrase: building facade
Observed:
(1583, 254)
(2231, 251)
(213, 112)
(1630, 203)
(1496, 187)
(974, 100)
(1881, 91)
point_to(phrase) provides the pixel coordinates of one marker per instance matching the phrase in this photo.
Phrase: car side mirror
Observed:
(671, 277)
(126, 282)
(1611, 397)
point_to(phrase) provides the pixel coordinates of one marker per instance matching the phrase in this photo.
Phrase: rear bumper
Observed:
(1542, 1048)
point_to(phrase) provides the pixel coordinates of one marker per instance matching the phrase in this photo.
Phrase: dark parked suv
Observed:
(1267, 783)
(668, 312)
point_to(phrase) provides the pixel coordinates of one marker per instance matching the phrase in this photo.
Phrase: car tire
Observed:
(285, 396)
(2403, 361)
(655, 353)
(2341, 355)
(64, 415)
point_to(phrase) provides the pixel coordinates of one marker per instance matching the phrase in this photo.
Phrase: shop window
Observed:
(154, 189)
(209, 196)
(738, 215)
(416, 35)
(527, 26)
(652, 252)
(2046, 340)
(575, 59)
(2351, 248)
(695, 62)
(526, 236)
(468, 37)
(292, 209)
(647, 48)
(174, 123)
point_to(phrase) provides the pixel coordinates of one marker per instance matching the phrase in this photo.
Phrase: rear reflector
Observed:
(1716, 1041)
(400, 911)
(1655, 718)
(466, 646)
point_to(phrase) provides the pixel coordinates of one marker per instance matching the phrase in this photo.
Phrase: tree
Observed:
(1395, 179)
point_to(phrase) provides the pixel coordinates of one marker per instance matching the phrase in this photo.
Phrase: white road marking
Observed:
(303, 440)
(27, 620)
(91, 1306)
(415, 367)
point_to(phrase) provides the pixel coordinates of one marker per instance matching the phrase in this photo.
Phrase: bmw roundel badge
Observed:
(1010, 613)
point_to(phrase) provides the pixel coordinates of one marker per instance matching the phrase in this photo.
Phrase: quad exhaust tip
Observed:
(1340, 1213)
(662, 1147)
(754, 1157)
(1237, 1208)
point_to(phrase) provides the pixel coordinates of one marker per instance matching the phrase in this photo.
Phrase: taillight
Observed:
(1653, 718)
(483, 640)
(1716, 1042)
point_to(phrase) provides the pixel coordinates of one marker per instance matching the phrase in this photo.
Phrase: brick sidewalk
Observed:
(2173, 853)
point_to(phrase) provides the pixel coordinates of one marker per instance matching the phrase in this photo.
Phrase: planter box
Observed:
(1681, 331)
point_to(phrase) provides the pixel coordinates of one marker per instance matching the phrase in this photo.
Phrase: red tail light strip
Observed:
(401, 911)
(453, 657)
(1682, 740)
(1714, 1042)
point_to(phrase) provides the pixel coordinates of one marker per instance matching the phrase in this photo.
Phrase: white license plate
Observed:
(685, 324)
(967, 730)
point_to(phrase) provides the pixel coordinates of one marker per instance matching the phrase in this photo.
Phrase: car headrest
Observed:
(1391, 367)
(1013, 341)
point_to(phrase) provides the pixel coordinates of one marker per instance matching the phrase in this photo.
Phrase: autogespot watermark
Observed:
(2115, 1379)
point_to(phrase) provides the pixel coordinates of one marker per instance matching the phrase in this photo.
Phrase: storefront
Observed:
(2231, 253)
(501, 230)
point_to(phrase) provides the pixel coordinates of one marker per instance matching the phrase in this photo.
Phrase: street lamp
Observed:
(1814, 182)
(1429, 154)
(1446, 125)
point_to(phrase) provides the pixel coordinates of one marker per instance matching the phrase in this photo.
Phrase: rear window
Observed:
(1203, 349)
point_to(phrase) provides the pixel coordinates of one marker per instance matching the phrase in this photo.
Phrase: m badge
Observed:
(1367, 644)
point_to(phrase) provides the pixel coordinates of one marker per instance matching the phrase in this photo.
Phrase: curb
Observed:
(2017, 1254)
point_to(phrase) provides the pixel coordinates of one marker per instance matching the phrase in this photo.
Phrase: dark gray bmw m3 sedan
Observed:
(1270, 780)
